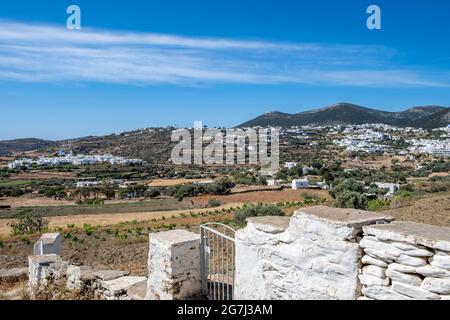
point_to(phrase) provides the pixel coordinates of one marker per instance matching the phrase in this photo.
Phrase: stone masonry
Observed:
(406, 260)
(313, 255)
(174, 266)
(49, 243)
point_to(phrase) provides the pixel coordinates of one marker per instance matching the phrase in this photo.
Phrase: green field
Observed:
(126, 207)
(14, 183)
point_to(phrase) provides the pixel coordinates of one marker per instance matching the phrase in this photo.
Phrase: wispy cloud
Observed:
(48, 53)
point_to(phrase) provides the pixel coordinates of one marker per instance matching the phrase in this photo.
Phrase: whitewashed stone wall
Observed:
(47, 269)
(406, 260)
(313, 255)
(49, 243)
(174, 266)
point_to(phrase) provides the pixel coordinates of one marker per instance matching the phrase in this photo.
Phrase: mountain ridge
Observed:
(347, 113)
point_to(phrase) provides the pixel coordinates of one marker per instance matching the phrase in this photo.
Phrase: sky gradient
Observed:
(136, 64)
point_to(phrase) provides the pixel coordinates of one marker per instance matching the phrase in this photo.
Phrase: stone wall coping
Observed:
(436, 237)
(107, 275)
(48, 238)
(174, 236)
(346, 217)
(45, 259)
(13, 273)
(270, 224)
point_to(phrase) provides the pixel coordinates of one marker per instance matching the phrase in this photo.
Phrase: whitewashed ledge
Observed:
(435, 237)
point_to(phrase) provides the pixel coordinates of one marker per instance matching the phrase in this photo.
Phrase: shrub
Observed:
(259, 210)
(107, 188)
(404, 194)
(308, 196)
(220, 187)
(28, 222)
(351, 199)
(93, 202)
(152, 193)
(88, 229)
(2, 244)
(378, 204)
(212, 203)
(68, 234)
(189, 190)
(25, 240)
(349, 193)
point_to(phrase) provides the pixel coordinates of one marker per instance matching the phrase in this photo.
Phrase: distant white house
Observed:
(392, 187)
(205, 183)
(323, 185)
(86, 184)
(300, 184)
(290, 165)
(307, 170)
(274, 182)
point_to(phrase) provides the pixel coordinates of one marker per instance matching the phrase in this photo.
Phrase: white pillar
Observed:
(174, 266)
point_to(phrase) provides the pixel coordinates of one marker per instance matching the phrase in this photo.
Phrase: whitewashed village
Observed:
(357, 251)
(224, 159)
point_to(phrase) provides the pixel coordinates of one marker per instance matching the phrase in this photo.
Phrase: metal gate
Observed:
(217, 261)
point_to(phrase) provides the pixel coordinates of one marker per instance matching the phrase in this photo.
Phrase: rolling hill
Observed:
(154, 144)
(346, 113)
(23, 145)
(436, 120)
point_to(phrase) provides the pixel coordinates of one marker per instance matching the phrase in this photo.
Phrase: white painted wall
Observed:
(313, 255)
(174, 266)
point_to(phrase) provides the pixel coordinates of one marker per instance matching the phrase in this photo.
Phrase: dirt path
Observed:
(112, 218)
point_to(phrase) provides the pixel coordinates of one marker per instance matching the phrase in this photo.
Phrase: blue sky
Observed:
(139, 63)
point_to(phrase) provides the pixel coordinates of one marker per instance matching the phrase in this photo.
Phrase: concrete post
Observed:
(174, 266)
(49, 243)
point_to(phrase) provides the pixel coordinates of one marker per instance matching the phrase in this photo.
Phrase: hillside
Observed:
(23, 145)
(345, 113)
(436, 120)
(152, 145)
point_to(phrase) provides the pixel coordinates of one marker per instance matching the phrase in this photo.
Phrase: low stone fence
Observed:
(313, 255)
(405, 260)
(330, 253)
(50, 272)
(173, 264)
(318, 253)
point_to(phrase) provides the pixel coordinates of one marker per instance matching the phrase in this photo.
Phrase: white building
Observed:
(323, 185)
(290, 165)
(300, 184)
(86, 184)
(274, 182)
(74, 160)
(392, 187)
